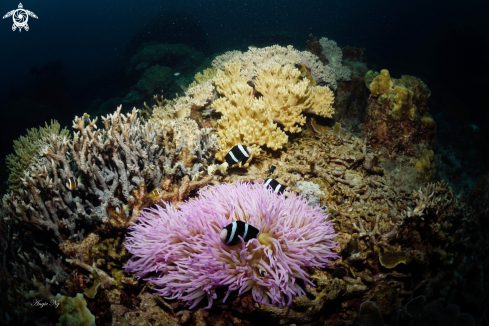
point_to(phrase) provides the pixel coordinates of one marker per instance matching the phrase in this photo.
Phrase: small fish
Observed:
(230, 234)
(252, 47)
(184, 88)
(155, 194)
(122, 208)
(271, 169)
(72, 183)
(176, 74)
(275, 186)
(262, 272)
(208, 111)
(87, 117)
(238, 154)
(324, 208)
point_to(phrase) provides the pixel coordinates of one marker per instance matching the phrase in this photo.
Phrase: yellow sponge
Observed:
(382, 84)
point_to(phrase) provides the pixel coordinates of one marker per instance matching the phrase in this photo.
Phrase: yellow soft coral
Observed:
(246, 121)
(251, 120)
(285, 94)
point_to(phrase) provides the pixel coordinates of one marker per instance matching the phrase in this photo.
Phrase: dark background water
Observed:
(76, 51)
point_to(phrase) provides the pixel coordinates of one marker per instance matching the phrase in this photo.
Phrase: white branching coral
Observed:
(110, 162)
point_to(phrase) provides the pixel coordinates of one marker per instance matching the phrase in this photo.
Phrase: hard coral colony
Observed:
(181, 252)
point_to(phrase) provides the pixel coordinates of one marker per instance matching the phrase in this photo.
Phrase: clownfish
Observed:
(230, 234)
(122, 208)
(275, 186)
(155, 194)
(262, 272)
(72, 183)
(237, 154)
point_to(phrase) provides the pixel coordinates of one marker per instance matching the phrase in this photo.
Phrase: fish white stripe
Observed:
(233, 231)
(233, 157)
(246, 231)
(268, 182)
(244, 151)
(277, 188)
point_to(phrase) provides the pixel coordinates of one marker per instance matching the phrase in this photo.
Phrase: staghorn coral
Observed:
(44, 220)
(112, 161)
(379, 220)
(306, 241)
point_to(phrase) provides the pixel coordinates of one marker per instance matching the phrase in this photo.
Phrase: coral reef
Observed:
(334, 55)
(389, 236)
(26, 148)
(398, 121)
(154, 66)
(193, 270)
(73, 311)
(310, 191)
(313, 46)
(252, 121)
(111, 169)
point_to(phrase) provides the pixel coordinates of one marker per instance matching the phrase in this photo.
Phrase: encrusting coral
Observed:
(184, 248)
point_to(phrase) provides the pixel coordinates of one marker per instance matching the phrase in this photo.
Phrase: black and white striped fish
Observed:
(275, 186)
(229, 235)
(237, 154)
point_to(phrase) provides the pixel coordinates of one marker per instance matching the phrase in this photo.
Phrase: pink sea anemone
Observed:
(180, 250)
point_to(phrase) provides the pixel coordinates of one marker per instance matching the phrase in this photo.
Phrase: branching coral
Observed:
(111, 161)
(184, 246)
(111, 164)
